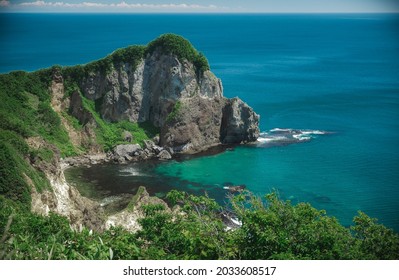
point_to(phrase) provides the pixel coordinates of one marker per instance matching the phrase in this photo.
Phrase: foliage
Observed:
(15, 168)
(135, 198)
(175, 112)
(29, 236)
(280, 229)
(25, 108)
(196, 233)
(48, 125)
(194, 230)
(25, 111)
(12, 184)
(42, 154)
(201, 63)
(182, 48)
(110, 134)
(140, 131)
(131, 55)
(374, 241)
(72, 121)
(167, 43)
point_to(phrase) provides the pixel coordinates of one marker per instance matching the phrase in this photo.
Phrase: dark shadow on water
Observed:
(210, 152)
(322, 199)
(119, 183)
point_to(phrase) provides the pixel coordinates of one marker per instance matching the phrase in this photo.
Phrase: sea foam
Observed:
(286, 136)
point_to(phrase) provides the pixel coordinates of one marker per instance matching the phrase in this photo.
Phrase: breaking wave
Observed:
(286, 136)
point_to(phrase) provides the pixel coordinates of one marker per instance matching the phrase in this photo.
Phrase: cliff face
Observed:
(239, 122)
(62, 199)
(149, 91)
(86, 109)
(171, 93)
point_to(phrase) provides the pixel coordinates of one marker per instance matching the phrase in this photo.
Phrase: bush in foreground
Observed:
(271, 229)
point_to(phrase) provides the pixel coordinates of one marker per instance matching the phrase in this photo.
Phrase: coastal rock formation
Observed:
(239, 122)
(171, 92)
(62, 199)
(107, 106)
(128, 218)
(126, 150)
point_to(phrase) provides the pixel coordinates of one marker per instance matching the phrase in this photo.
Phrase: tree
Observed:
(375, 241)
(276, 229)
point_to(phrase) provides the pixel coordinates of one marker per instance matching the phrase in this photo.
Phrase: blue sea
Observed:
(336, 75)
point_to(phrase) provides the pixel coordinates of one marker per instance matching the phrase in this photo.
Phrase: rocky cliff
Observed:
(119, 103)
(169, 87)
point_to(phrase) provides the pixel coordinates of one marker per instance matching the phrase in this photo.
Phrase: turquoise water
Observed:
(335, 73)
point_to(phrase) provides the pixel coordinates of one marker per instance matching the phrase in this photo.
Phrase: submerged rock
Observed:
(234, 189)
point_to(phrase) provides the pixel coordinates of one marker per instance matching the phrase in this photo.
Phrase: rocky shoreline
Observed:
(95, 217)
(64, 199)
(160, 87)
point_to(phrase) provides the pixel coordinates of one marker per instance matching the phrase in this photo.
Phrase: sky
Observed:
(202, 6)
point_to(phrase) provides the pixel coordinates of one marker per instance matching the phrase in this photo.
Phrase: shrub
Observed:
(182, 48)
(12, 183)
(175, 112)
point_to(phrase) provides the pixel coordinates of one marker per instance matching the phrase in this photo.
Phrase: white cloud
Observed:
(37, 3)
(4, 3)
(121, 5)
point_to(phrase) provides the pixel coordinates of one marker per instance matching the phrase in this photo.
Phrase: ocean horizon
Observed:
(325, 85)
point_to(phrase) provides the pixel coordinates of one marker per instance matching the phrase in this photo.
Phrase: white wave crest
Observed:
(285, 136)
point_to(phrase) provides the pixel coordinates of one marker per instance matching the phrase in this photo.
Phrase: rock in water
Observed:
(239, 123)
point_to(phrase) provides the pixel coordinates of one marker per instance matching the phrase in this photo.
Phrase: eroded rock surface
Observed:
(188, 107)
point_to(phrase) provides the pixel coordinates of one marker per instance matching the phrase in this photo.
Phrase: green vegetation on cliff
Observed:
(272, 230)
(109, 134)
(175, 112)
(166, 44)
(25, 112)
(131, 54)
(182, 48)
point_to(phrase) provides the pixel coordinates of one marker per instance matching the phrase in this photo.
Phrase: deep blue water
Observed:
(336, 73)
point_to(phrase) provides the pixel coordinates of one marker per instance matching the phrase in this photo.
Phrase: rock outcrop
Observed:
(128, 218)
(187, 104)
(62, 199)
(239, 122)
(133, 152)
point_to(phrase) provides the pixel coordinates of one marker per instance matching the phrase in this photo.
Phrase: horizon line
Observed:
(193, 12)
